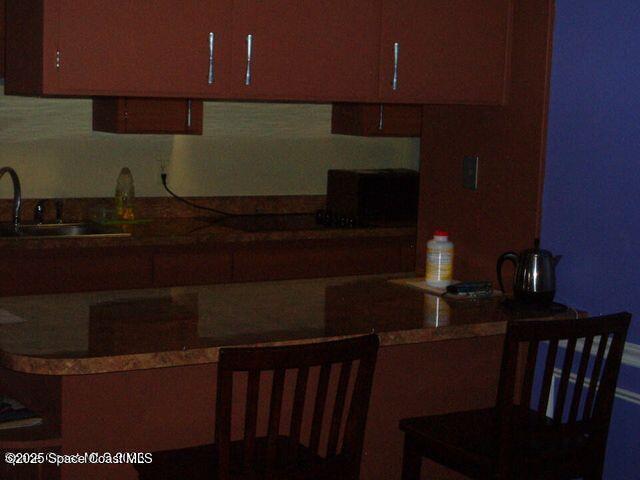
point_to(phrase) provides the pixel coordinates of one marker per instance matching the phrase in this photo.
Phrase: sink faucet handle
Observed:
(38, 212)
(59, 204)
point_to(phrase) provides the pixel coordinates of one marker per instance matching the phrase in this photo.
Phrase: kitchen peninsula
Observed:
(135, 370)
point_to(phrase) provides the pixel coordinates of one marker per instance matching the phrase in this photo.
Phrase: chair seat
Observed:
(200, 462)
(469, 439)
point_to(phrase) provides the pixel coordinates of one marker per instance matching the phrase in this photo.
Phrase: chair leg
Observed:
(411, 460)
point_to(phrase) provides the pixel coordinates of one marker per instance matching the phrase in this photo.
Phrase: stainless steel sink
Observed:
(60, 230)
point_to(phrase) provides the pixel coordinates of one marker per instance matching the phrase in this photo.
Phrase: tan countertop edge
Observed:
(199, 356)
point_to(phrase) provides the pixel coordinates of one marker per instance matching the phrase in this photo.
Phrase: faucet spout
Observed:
(17, 193)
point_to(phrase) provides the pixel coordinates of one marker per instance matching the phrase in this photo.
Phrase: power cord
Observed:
(163, 177)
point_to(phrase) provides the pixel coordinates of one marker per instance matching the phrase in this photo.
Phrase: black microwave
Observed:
(371, 197)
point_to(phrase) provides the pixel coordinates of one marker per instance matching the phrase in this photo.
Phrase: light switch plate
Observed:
(470, 172)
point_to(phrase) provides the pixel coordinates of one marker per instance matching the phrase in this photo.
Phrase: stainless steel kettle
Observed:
(535, 278)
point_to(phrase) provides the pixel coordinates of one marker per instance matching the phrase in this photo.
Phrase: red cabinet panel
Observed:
(119, 47)
(147, 115)
(446, 51)
(150, 47)
(306, 50)
(376, 120)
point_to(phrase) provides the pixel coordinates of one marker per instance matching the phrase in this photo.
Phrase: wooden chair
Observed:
(554, 438)
(333, 447)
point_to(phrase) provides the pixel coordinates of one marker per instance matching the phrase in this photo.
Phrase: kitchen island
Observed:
(135, 370)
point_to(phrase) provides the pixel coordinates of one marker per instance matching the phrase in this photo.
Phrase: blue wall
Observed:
(591, 204)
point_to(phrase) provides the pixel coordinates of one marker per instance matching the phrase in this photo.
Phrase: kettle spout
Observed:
(555, 260)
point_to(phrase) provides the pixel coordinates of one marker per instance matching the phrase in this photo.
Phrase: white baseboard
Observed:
(621, 393)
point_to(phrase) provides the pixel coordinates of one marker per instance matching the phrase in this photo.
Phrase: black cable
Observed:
(163, 176)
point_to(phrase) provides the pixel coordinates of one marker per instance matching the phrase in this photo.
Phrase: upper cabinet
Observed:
(119, 47)
(151, 47)
(306, 49)
(376, 51)
(445, 51)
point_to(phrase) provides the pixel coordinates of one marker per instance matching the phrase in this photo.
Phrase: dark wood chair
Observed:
(315, 437)
(534, 431)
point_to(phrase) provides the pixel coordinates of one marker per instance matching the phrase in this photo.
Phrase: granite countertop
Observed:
(210, 229)
(85, 333)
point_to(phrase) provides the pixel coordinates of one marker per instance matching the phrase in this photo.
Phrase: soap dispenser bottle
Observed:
(125, 195)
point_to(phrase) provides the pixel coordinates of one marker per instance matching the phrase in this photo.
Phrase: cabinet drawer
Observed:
(191, 268)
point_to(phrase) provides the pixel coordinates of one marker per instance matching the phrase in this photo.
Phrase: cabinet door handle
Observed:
(247, 78)
(396, 55)
(381, 119)
(189, 103)
(212, 40)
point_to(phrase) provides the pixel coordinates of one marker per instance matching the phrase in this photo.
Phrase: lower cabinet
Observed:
(192, 268)
(78, 270)
(309, 259)
(74, 270)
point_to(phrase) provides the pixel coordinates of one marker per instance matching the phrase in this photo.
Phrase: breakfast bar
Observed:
(135, 370)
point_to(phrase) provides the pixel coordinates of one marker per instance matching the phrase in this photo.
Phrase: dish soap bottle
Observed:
(439, 260)
(125, 195)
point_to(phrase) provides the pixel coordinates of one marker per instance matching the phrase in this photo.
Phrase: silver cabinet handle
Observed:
(188, 113)
(212, 39)
(247, 78)
(381, 119)
(396, 55)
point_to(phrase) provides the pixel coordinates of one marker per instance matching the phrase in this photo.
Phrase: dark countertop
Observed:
(86, 333)
(196, 230)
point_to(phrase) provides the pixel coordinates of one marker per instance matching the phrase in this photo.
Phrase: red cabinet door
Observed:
(444, 51)
(144, 47)
(311, 50)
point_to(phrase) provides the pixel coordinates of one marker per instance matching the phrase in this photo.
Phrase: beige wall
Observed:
(246, 149)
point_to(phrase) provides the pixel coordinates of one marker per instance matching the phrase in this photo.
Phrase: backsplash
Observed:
(245, 149)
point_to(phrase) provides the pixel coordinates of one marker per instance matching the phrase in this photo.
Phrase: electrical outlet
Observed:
(164, 165)
(470, 172)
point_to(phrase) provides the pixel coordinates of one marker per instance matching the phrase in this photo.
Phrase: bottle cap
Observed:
(440, 233)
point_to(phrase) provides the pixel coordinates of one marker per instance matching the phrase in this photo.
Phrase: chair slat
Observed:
(595, 377)
(251, 416)
(274, 416)
(298, 403)
(338, 408)
(223, 421)
(548, 376)
(582, 370)
(529, 372)
(564, 380)
(318, 410)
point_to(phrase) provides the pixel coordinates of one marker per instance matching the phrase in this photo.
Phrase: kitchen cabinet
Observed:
(147, 115)
(57, 270)
(74, 270)
(192, 267)
(120, 47)
(2, 28)
(445, 51)
(312, 259)
(376, 120)
(389, 51)
(305, 50)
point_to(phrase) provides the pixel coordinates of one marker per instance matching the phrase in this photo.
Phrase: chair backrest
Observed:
(574, 390)
(343, 368)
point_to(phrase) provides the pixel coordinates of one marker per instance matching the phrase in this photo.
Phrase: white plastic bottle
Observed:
(439, 269)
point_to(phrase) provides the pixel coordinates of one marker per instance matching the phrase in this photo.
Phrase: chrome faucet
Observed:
(17, 194)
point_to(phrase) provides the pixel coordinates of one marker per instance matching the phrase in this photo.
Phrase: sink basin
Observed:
(61, 230)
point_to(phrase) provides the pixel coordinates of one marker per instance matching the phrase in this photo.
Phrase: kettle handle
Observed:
(512, 256)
